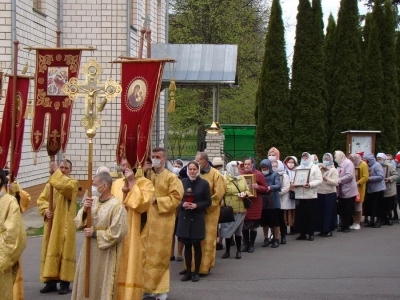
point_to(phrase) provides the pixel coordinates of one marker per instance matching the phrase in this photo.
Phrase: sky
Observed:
(289, 10)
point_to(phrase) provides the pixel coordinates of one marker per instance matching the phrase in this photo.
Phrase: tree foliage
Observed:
(308, 87)
(347, 75)
(273, 113)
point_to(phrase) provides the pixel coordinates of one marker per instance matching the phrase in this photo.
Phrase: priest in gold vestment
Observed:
(217, 189)
(137, 202)
(109, 227)
(24, 199)
(58, 254)
(12, 239)
(160, 227)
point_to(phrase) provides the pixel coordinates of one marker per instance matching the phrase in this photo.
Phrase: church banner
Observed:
(6, 125)
(54, 67)
(141, 83)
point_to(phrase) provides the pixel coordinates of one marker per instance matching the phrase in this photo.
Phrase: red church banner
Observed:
(141, 83)
(54, 67)
(6, 125)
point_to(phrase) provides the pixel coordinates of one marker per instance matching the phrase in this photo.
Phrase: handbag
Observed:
(292, 195)
(226, 214)
(246, 200)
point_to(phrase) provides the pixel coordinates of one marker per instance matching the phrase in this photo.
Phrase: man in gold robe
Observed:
(136, 201)
(58, 247)
(23, 199)
(160, 227)
(109, 227)
(217, 188)
(12, 239)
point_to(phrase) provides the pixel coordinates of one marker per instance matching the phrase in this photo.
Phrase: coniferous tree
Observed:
(273, 111)
(330, 50)
(384, 18)
(308, 88)
(347, 74)
(371, 110)
(397, 58)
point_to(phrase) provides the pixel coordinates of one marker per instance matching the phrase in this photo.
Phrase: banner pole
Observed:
(14, 110)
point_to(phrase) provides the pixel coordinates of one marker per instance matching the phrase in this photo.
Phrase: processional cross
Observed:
(91, 89)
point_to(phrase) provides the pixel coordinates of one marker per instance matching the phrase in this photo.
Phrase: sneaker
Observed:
(163, 296)
(148, 296)
(356, 227)
(352, 226)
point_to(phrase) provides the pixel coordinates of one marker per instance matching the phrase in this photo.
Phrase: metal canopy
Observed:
(198, 65)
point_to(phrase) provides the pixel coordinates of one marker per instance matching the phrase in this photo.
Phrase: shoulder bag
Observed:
(226, 214)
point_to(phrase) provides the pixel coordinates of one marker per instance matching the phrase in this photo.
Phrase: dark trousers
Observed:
(282, 223)
(346, 210)
(305, 212)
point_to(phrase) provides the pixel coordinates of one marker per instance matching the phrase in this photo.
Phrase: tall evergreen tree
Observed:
(371, 110)
(330, 51)
(347, 74)
(273, 111)
(384, 18)
(308, 88)
(397, 57)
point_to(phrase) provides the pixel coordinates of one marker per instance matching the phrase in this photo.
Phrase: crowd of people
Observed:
(130, 224)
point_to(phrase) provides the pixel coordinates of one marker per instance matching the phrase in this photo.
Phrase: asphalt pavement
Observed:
(361, 264)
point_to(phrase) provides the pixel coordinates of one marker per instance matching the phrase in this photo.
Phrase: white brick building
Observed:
(111, 26)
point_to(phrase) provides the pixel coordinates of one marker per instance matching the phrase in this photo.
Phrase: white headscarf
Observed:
(233, 170)
(308, 162)
(198, 169)
(339, 156)
(281, 167)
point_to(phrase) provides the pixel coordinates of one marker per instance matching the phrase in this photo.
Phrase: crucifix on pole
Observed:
(91, 89)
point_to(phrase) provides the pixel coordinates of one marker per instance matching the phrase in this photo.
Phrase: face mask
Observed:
(304, 162)
(156, 163)
(175, 170)
(336, 161)
(380, 161)
(95, 191)
(290, 165)
(272, 158)
(265, 172)
(275, 169)
(316, 162)
(327, 163)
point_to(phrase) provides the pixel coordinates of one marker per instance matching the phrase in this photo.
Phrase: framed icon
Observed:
(250, 179)
(357, 173)
(385, 171)
(301, 177)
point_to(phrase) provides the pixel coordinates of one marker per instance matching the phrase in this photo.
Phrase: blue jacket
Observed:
(272, 199)
(376, 181)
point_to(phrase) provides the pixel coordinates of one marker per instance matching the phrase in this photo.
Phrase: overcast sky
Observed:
(289, 9)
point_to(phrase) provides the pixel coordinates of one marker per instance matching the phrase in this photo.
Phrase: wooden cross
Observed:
(91, 89)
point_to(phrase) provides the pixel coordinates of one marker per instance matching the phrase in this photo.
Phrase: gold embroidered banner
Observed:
(54, 67)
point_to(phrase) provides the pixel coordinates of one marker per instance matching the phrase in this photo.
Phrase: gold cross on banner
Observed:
(92, 89)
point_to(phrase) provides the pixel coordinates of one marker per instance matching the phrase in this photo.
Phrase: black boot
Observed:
(253, 235)
(275, 243)
(266, 242)
(64, 287)
(246, 241)
(227, 253)
(283, 239)
(238, 240)
(51, 286)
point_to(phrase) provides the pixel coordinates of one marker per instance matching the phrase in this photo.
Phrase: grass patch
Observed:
(35, 231)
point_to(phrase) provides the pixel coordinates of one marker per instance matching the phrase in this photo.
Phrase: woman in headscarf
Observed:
(307, 196)
(362, 169)
(286, 203)
(326, 211)
(290, 164)
(236, 190)
(191, 218)
(253, 214)
(274, 154)
(375, 189)
(347, 191)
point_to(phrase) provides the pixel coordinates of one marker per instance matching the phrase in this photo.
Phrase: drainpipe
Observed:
(59, 44)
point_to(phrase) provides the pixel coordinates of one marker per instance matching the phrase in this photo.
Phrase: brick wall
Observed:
(105, 26)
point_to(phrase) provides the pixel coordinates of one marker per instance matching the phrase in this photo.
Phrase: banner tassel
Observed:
(29, 111)
(139, 172)
(35, 159)
(172, 89)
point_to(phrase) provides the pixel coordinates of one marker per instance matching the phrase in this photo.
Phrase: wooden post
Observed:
(14, 110)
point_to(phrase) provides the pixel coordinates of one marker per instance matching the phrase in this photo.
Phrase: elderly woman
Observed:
(362, 169)
(191, 218)
(236, 190)
(286, 203)
(326, 218)
(290, 164)
(347, 191)
(375, 190)
(306, 194)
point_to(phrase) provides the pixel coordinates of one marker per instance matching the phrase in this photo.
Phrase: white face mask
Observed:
(275, 169)
(175, 170)
(156, 163)
(95, 191)
(272, 158)
(304, 162)
(290, 165)
(265, 172)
